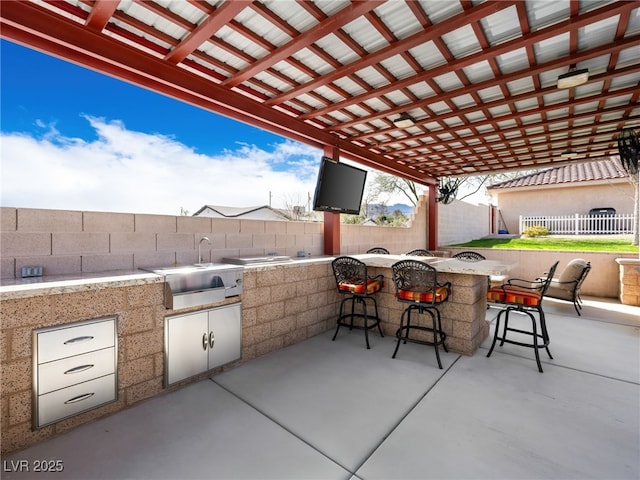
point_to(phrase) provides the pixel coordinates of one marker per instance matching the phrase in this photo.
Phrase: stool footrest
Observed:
(443, 336)
(543, 344)
(369, 321)
(374, 321)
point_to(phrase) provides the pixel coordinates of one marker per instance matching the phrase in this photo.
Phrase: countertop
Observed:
(444, 265)
(55, 284)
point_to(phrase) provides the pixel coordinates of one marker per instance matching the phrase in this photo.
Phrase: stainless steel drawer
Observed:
(60, 404)
(77, 369)
(61, 342)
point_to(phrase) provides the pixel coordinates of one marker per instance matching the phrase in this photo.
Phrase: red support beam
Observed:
(432, 223)
(332, 220)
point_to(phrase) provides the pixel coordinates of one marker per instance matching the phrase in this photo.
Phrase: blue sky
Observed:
(75, 139)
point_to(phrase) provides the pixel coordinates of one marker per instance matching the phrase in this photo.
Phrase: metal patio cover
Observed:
(478, 78)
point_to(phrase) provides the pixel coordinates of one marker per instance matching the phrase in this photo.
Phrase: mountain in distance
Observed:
(378, 208)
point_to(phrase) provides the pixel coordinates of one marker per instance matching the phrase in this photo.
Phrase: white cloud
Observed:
(129, 171)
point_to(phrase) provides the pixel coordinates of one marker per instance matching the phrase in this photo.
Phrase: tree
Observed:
(634, 179)
(297, 207)
(384, 183)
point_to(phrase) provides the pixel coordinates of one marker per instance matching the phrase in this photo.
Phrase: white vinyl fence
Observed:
(580, 224)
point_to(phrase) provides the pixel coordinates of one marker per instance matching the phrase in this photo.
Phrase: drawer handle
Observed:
(84, 338)
(79, 398)
(79, 368)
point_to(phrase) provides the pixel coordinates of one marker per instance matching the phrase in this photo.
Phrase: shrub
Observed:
(536, 231)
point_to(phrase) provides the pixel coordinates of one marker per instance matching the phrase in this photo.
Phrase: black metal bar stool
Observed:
(417, 284)
(378, 250)
(420, 252)
(353, 281)
(524, 296)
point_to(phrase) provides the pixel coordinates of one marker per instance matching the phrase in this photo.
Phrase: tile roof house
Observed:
(567, 190)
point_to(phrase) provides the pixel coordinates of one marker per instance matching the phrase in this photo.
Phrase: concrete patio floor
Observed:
(334, 410)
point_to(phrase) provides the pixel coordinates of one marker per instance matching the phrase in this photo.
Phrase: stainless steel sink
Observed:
(193, 285)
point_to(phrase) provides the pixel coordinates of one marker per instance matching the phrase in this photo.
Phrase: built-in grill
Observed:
(195, 285)
(258, 260)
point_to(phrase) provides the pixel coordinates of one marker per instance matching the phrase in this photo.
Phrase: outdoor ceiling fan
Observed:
(628, 148)
(448, 189)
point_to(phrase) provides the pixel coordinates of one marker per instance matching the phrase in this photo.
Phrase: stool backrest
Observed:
(420, 252)
(414, 276)
(349, 270)
(469, 256)
(378, 250)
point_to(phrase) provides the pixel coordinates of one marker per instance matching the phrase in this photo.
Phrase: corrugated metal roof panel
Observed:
(320, 71)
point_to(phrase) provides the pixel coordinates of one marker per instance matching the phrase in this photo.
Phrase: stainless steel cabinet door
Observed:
(225, 334)
(187, 345)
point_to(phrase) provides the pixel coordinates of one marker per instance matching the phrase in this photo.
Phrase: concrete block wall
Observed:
(74, 242)
(285, 304)
(66, 242)
(461, 222)
(359, 238)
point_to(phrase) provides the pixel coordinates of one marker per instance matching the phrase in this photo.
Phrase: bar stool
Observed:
(378, 250)
(417, 284)
(420, 252)
(353, 281)
(524, 296)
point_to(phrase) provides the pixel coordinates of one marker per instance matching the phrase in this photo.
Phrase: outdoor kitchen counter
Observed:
(282, 304)
(463, 315)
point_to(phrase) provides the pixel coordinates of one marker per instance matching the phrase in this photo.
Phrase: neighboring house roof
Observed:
(263, 212)
(572, 173)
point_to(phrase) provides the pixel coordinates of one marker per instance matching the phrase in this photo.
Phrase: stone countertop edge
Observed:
(442, 265)
(11, 288)
(294, 262)
(55, 284)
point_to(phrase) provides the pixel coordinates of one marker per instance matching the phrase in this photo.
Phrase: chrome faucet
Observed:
(200, 247)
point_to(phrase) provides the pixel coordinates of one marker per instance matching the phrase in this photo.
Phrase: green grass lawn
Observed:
(600, 244)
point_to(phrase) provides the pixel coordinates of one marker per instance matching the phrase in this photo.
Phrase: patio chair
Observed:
(378, 250)
(567, 285)
(421, 252)
(417, 284)
(524, 296)
(358, 287)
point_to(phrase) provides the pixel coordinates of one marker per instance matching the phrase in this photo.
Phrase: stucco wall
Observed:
(565, 200)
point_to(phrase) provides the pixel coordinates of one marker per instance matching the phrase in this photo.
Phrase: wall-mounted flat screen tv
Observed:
(339, 188)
